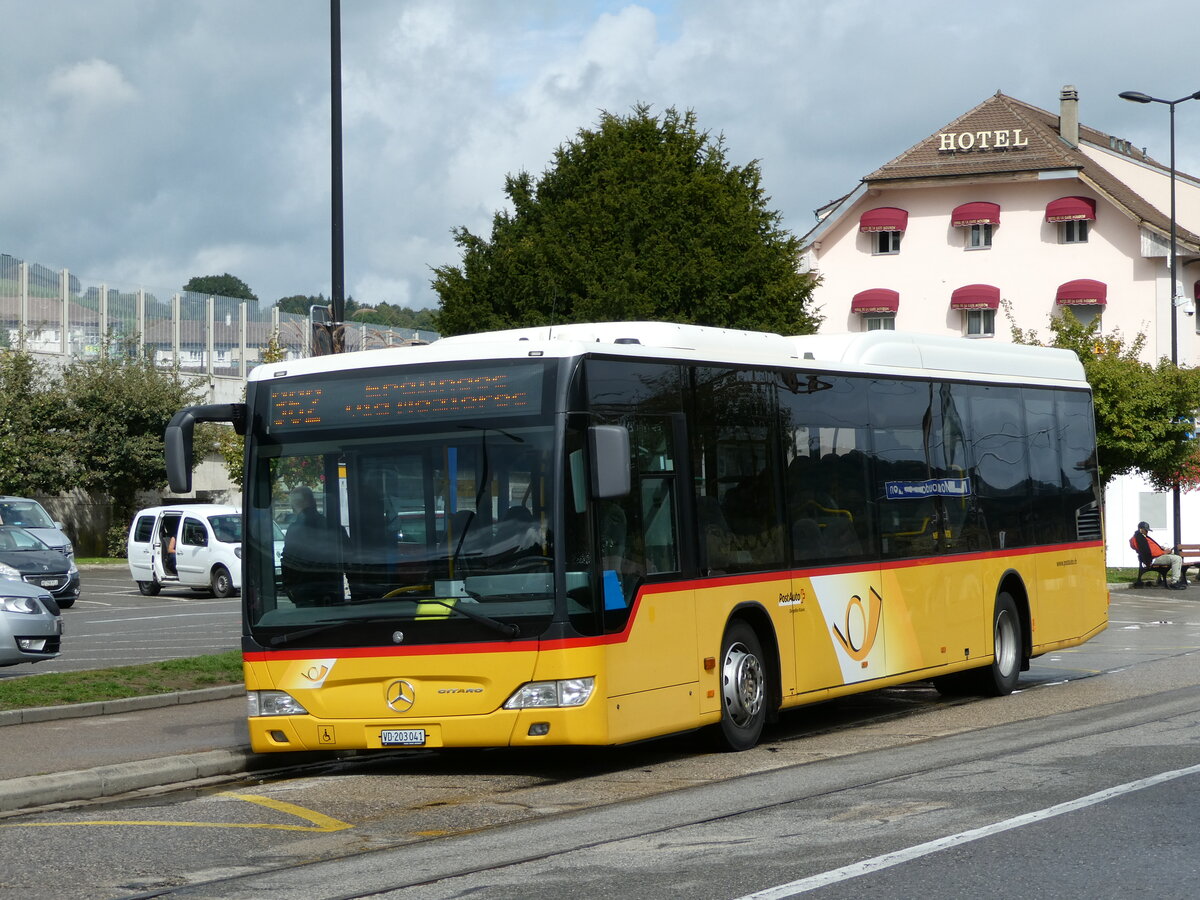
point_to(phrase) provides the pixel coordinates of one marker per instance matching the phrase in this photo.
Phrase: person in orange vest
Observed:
(1147, 547)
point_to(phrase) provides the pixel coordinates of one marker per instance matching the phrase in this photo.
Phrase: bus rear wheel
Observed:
(999, 678)
(743, 688)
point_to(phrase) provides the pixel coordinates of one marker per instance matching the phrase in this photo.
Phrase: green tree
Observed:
(642, 218)
(1144, 413)
(299, 304)
(117, 407)
(35, 449)
(396, 316)
(220, 286)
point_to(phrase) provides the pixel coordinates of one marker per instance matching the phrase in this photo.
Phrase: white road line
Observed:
(867, 866)
(199, 615)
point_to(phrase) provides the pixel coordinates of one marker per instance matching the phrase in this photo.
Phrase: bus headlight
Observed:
(568, 692)
(273, 703)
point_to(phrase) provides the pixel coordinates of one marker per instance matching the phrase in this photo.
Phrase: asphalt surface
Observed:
(68, 754)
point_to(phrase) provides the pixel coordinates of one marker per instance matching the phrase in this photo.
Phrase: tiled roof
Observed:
(1033, 145)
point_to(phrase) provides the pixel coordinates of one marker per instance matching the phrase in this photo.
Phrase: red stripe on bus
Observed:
(666, 587)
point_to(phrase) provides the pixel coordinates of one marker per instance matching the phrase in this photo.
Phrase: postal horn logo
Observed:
(857, 634)
(401, 696)
(316, 673)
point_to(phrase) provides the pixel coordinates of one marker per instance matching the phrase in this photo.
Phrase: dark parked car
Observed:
(30, 625)
(24, 557)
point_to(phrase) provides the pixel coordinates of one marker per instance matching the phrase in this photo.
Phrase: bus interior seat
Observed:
(715, 533)
(839, 537)
(807, 541)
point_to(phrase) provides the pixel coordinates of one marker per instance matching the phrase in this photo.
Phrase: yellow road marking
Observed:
(320, 823)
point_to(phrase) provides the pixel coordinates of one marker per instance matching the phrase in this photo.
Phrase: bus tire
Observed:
(149, 588)
(222, 582)
(744, 693)
(1000, 678)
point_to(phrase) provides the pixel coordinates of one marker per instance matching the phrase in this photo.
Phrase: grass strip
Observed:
(142, 680)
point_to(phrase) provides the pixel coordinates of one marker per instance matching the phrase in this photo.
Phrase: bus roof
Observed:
(883, 352)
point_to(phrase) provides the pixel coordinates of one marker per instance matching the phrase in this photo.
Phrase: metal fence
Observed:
(56, 312)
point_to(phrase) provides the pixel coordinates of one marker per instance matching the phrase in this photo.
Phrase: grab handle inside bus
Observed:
(178, 438)
(609, 446)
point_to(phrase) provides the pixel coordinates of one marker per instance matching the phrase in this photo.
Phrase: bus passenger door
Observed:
(640, 553)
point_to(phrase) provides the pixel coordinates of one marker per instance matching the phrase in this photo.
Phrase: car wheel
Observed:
(222, 582)
(743, 688)
(149, 588)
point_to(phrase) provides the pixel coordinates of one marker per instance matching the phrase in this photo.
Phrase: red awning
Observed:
(1067, 209)
(978, 213)
(884, 218)
(975, 296)
(876, 300)
(1082, 292)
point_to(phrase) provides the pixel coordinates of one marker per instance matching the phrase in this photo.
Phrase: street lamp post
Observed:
(1139, 97)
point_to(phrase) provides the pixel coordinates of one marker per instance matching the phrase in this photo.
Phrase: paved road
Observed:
(113, 625)
(831, 786)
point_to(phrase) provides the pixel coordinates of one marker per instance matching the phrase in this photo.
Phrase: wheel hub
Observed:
(742, 684)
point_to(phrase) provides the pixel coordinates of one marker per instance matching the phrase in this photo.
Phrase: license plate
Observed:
(49, 582)
(402, 737)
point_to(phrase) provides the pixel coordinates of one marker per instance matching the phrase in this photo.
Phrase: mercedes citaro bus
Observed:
(603, 533)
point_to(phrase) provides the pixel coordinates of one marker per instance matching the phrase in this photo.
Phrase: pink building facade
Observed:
(1003, 217)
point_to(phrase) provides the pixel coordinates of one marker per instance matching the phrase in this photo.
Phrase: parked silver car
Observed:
(31, 625)
(31, 515)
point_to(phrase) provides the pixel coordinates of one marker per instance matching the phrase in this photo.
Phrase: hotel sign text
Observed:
(1006, 139)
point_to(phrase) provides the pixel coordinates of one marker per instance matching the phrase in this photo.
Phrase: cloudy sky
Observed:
(146, 141)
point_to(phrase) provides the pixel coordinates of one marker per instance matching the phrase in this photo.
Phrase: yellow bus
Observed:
(602, 533)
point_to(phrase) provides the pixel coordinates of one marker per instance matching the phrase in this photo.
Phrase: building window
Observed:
(981, 322)
(886, 242)
(879, 323)
(979, 237)
(1074, 232)
(1086, 314)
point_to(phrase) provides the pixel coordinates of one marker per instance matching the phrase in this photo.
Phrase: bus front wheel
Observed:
(149, 588)
(743, 688)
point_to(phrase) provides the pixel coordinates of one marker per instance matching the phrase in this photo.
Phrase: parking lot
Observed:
(113, 625)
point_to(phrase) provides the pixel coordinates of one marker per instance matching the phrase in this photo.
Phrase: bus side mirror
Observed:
(177, 440)
(608, 447)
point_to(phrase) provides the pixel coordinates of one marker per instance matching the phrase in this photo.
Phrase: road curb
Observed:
(121, 778)
(112, 707)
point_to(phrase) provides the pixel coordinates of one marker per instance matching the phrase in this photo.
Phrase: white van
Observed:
(208, 548)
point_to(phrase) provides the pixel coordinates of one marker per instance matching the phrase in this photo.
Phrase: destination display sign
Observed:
(402, 397)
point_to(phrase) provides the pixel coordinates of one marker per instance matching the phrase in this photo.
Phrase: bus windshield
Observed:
(425, 538)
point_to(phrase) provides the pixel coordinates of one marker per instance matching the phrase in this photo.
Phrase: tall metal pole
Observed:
(337, 309)
(1175, 506)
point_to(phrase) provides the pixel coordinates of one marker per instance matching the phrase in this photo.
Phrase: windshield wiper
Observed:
(507, 629)
(320, 629)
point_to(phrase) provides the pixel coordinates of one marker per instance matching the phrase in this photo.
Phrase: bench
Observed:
(1191, 557)
(1160, 571)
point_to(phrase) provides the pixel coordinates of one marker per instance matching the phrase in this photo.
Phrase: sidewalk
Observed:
(66, 754)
